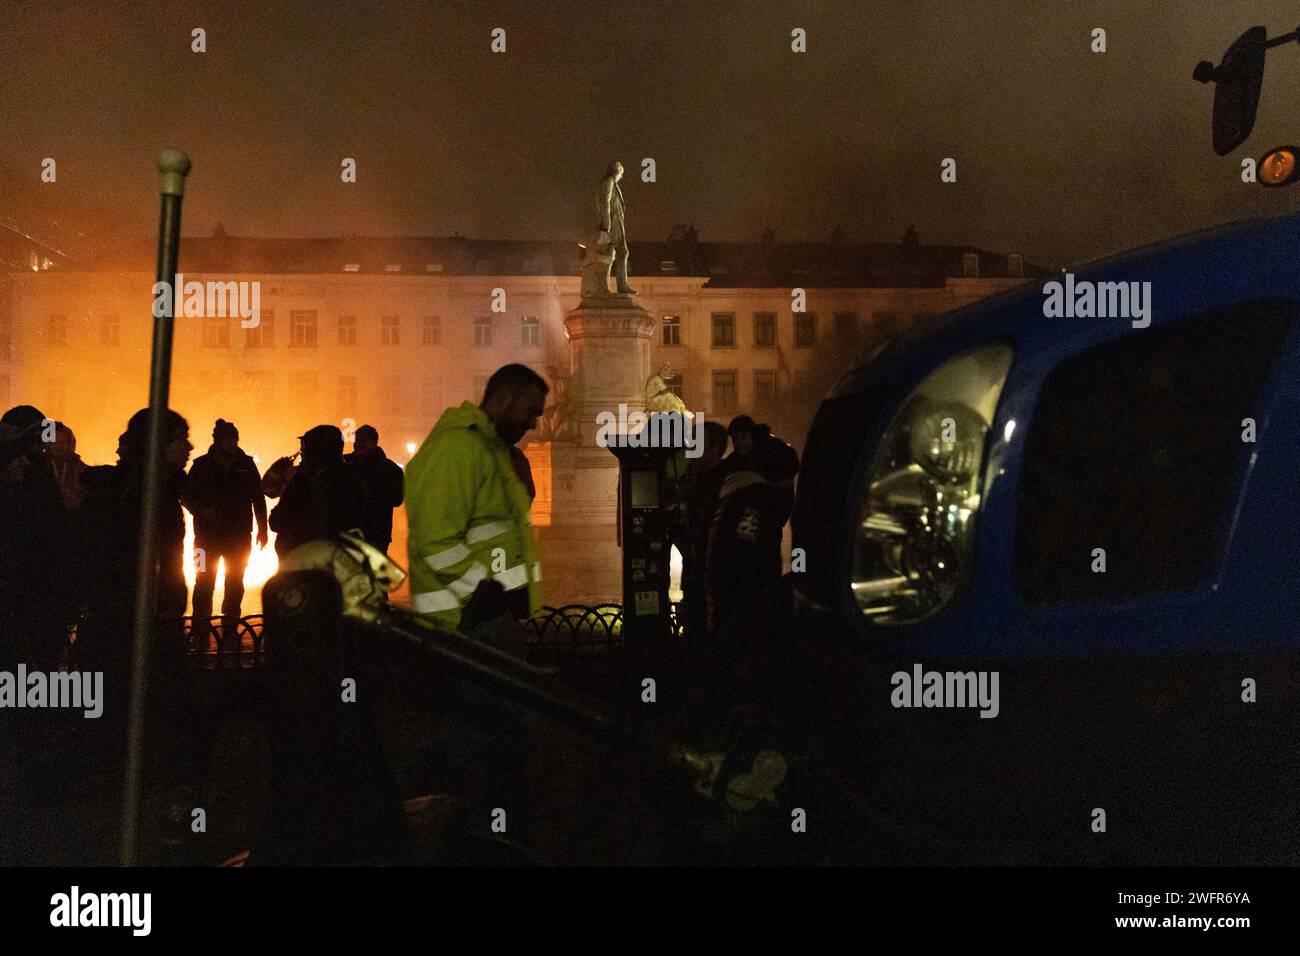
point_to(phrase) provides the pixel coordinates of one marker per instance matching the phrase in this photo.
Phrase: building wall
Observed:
(67, 362)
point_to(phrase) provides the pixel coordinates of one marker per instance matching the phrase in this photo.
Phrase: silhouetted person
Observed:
(741, 432)
(178, 743)
(747, 635)
(383, 480)
(36, 598)
(109, 528)
(777, 461)
(224, 494)
(66, 465)
(323, 497)
(699, 493)
(743, 561)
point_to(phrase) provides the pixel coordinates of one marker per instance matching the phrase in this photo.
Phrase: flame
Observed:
(262, 564)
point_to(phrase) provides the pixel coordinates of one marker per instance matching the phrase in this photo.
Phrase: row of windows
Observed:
(258, 389)
(304, 328)
(723, 327)
(726, 389)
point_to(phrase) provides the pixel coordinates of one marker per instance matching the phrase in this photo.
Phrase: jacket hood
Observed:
(466, 415)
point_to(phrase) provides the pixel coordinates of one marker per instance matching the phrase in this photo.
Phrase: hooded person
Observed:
(323, 498)
(224, 495)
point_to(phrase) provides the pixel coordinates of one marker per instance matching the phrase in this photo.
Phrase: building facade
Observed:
(392, 331)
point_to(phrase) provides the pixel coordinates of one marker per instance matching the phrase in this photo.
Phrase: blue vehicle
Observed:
(1090, 485)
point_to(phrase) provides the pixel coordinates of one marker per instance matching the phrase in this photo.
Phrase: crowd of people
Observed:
(70, 539)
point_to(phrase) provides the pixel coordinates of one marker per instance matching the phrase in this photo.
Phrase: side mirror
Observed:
(1237, 81)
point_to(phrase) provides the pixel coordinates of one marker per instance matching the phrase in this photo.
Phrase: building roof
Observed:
(765, 263)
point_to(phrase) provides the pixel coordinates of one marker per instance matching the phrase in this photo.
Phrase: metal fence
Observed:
(573, 632)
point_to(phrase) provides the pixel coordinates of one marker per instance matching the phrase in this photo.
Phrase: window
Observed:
(393, 267)
(262, 335)
(432, 334)
(970, 265)
(56, 396)
(302, 329)
(724, 330)
(672, 330)
(844, 323)
(57, 330)
(530, 331)
(1015, 264)
(110, 330)
(216, 332)
(390, 327)
(431, 396)
(347, 406)
(483, 331)
(676, 385)
(390, 396)
(1145, 467)
(351, 267)
(667, 265)
(347, 330)
(764, 330)
(805, 330)
(724, 392)
(764, 386)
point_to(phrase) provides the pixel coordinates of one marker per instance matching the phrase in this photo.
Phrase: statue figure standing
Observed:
(608, 247)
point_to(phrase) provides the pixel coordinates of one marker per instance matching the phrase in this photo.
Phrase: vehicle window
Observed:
(1133, 448)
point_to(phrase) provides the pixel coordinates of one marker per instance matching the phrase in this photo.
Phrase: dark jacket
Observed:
(224, 495)
(383, 480)
(321, 500)
(108, 527)
(35, 544)
(743, 564)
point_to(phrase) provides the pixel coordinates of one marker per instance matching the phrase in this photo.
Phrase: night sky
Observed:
(1062, 154)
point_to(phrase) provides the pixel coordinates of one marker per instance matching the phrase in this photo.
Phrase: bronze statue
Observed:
(608, 247)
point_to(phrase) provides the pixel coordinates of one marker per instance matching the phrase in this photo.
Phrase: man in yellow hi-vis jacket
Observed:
(467, 511)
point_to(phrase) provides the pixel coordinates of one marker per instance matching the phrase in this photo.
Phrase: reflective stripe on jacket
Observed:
(468, 517)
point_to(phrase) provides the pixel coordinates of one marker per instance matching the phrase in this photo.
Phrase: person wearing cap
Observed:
(323, 498)
(224, 495)
(467, 509)
(384, 482)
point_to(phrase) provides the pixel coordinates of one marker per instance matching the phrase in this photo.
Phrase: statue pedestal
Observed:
(609, 354)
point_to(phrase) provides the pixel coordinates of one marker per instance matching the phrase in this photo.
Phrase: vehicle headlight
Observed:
(912, 544)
